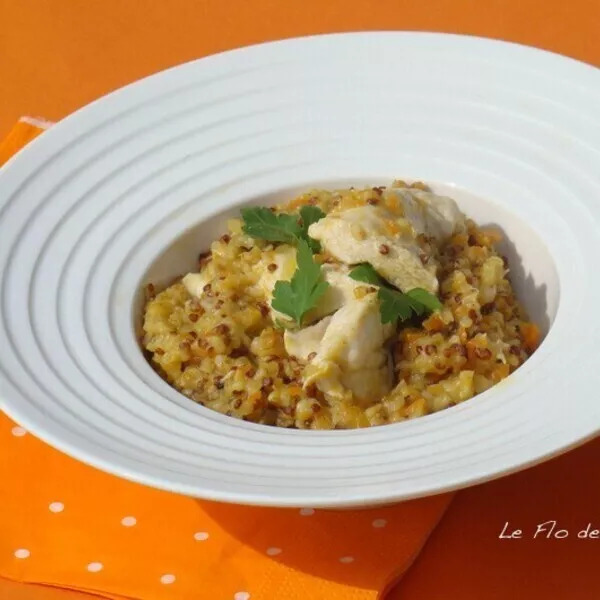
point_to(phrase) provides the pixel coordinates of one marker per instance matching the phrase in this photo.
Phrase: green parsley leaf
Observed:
(264, 224)
(308, 216)
(366, 273)
(394, 304)
(296, 297)
(425, 298)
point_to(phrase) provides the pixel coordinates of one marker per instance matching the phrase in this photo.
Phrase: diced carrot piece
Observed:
(531, 336)
(471, 347)
(433, 323)
(411, 335)
(298, 202)
(295, 390)
(255, 396)
(500, 372)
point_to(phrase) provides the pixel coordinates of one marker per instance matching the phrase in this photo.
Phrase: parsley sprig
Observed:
(262, 223)
(395, 305)
(296, 297)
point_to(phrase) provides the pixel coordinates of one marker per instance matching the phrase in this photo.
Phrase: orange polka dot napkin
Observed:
(65, 524)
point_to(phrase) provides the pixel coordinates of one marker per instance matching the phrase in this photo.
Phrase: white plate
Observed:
(92, 204)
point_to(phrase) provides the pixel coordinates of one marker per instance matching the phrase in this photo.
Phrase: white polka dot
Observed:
(274, 551)
(241, 596)
(379, 523)
(347, 559)
(167, 578)
(128, 521)
(56, 507)
(94, 567)
(307, 512)
(22, 553)
(18, 431)
(201, 536)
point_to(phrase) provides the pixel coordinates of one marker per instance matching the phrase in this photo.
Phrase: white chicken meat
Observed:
(348, 351)
(435, 216)
(341, 287)
(388, 241)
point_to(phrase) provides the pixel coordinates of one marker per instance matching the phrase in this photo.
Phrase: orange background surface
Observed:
(58, 55)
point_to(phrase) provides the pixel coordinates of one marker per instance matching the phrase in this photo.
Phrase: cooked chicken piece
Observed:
(340, 290)
(194, 283)
(435, 216)
(304, 342)
(351, 351)
(386, 240)
(361, 235)
(275, 265)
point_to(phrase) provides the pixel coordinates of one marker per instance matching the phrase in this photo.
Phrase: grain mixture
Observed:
(218, 340)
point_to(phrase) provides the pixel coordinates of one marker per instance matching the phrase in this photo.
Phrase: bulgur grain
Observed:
(234, 360)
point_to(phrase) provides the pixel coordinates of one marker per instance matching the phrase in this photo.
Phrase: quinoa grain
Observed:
(223, 351)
